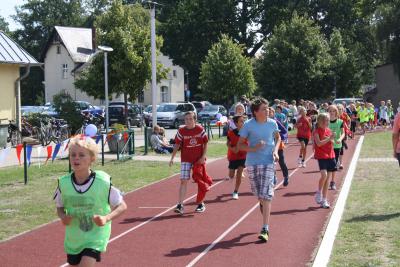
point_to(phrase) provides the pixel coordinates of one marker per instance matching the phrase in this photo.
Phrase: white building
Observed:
(69, 48)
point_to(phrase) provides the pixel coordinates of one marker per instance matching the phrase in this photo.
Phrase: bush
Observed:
(68, 111)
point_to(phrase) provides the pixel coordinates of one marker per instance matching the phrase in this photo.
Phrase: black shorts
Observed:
(398, 158)
(235, 164)
(302, 139)
(327, 164)
(75, 259)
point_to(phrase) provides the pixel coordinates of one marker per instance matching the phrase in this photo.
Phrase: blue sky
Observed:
(7, 8)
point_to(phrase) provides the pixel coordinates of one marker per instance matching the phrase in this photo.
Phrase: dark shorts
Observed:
(338, 151)
(327, 164)
(75, 259)
(398, 158)
(305, 140)
(235, 164)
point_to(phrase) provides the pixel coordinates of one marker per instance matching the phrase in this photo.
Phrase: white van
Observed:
(347, 100)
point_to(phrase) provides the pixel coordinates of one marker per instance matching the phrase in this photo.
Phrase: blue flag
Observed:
(56, 149)
(98, 139)
(28, 154)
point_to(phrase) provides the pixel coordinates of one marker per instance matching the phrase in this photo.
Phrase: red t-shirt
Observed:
(233, 138)
(303, 127)
(192, 143)
(324, 151)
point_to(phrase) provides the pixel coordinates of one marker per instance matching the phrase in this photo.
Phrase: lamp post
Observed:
(105, 50)
(153, 62)
(187, 92)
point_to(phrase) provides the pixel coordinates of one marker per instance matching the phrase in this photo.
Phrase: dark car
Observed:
(213, 112)
(116, 113)
(85, 107)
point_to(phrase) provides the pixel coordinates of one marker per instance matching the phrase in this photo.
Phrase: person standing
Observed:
(396, 137)
(263, 139)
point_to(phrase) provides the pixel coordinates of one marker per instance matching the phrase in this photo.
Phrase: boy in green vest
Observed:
(86, 203)
(337, 128)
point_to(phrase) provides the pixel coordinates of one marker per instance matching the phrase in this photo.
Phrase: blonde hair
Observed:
(321, 118)
(239, 105)
(85, 142)
(334, 107)
(301, 109)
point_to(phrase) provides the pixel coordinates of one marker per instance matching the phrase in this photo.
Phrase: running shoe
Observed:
(264, 235)
(325, 204)
(341, 167)
(179, 209)
(286, 181)
(332, 185)
(201, 208)
(299, 160)
(318, 197)
(235, 195)
(303, 164)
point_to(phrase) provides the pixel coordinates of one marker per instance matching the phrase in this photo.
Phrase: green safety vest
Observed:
(83, 232)
(371, 112)
(363, 115)
(336, 128)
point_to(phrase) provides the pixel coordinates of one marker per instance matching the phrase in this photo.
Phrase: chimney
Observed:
(94, 39)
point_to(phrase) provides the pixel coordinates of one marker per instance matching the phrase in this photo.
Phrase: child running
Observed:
(263, 139)
(304, 127)
(336, 126)
(346, 125)
(86, 204)
(192, 140)
(324, 139)
(236, 157)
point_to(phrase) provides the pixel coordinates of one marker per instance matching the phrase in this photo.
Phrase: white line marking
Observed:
(325, 249)
(151, 219)
(202, 254)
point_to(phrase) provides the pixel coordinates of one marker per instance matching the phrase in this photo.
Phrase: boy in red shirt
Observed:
(236, 157)
(303, 126)
(192, 140)
(324, 153)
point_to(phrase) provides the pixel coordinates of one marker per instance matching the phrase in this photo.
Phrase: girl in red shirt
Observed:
(236, 157)
(324, 153)
(303, 126)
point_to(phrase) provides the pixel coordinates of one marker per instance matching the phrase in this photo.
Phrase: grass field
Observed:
(370, 228)
(23, 207)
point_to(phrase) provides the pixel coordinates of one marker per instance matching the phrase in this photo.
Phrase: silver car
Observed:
(172, 114)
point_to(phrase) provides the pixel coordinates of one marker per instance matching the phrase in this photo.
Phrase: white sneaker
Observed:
(235, 195)
(299, 160)
(303, 164)
(318, 197)
(325, 204)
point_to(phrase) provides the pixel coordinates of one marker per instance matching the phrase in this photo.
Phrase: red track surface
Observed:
(296, 226)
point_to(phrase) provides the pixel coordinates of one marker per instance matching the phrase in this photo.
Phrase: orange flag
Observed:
(19, 149)
(49, 152)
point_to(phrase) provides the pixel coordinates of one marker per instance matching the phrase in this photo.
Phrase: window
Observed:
(164, 94)
(64, 71)
(58, 49)
(174, 73)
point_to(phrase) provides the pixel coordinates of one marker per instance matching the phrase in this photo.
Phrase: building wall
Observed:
(175, 84)
(388, 85)
(8, 74)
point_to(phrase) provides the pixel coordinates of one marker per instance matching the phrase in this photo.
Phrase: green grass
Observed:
(22, 207)
(370, 228)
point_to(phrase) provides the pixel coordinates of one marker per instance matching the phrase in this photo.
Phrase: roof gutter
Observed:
(17, 86)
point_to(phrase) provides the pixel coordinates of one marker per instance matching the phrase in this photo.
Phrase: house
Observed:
(66, 53)
(387, 86)
(12, 58)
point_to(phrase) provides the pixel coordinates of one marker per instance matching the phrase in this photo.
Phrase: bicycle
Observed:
(14, 134)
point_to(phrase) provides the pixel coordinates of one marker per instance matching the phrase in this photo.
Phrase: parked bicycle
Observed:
(14, 134)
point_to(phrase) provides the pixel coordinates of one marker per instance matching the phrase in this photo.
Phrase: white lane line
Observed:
(151, 219)
(325, 249)
(202, 254)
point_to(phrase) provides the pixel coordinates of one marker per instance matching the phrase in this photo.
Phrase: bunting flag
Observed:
(125, 137)
(19, 149)
(56, 149)
(39, 154)
(4, 154)
(28, 154)
(66, 147)
(98, 138)
(49, 151)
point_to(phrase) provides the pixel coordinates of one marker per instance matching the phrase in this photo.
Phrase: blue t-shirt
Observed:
(254, 132)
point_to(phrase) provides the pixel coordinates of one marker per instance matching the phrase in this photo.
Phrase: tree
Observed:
(296, 62)
(3, 25)
(38, 19)
(226, 72)
(127, 30)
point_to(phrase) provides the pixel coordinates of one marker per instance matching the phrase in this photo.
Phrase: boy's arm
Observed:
(242, 146)
(117, 211)
(65, 219)
(277, 144)
(202, 159)
(176, 147)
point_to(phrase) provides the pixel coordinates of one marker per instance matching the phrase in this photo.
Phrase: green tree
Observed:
(3, 25)
(226, 72)
(67, 110)
(126, 28)
(296, 62)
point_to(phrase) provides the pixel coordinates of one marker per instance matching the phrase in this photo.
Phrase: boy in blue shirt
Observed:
(263, 139)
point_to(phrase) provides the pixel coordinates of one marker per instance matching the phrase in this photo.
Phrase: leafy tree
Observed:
(67, 110)
(3, 25)
(226, 72)
(127, 30)
(296, 62)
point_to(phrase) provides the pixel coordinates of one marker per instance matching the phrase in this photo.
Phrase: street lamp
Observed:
(105, 50)
(187, 91)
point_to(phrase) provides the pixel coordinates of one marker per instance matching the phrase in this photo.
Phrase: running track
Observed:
(151, 234)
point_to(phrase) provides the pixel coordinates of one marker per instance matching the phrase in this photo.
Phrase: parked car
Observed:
(116, 113)
(347, 100)
(172, 114)
(213, 112)
(84, 106)
(50, 111)
(27, 110)
(232, 111)
(148, 114)
(199, 105)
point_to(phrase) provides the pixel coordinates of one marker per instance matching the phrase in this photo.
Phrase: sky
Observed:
(7, 8)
